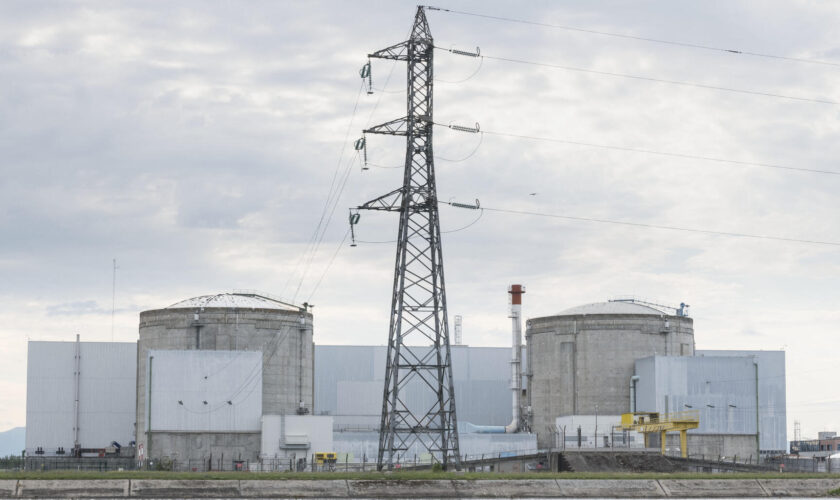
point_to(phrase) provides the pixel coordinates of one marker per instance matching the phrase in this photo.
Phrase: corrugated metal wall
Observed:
(772, 395)
(349, 381)
(106, 394)
(206, 391)
(721, 386)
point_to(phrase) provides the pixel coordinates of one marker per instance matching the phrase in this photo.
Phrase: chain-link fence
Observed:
(342, 462)
(805, 464)
(11, 463)
(79, 464)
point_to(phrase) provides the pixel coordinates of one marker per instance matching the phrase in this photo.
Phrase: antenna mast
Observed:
(418, 304)
(113, 298)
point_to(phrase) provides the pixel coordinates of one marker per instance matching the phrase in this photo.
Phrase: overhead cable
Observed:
(334, 196)
(329, 265)
(336, 199)
(641, 38)
(660, 153)
(311, 245)
(462, 228)
(658, 226)
(658, 80)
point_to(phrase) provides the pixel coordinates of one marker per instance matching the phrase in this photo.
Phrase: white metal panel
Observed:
(349, 381)
(315, 432)
(720, 389)
(106, 394)
(772, 395)
(205, 391)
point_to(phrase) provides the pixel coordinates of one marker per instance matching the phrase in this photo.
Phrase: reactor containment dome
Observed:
(581, 360)
(210, 367)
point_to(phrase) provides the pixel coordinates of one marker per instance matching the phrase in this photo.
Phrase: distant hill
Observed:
(12, 441)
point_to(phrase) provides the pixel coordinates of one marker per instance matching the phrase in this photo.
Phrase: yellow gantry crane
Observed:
(650, 422)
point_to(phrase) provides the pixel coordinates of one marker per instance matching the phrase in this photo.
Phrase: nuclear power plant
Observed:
(235, 378)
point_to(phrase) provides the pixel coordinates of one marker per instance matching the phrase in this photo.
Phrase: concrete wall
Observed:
(445, 488)
(203, 446)
(712, 446)
(106, 395)
(286, 436)
(583, 360)
(287, 360)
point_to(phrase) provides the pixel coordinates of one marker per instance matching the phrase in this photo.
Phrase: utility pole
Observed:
(418, 303)
(113, 298)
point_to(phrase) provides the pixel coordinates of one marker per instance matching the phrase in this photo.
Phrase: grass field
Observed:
(394, 476)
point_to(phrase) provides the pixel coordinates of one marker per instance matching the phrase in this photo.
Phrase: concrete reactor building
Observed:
(590, 364)
(209, 368)
(582, 359)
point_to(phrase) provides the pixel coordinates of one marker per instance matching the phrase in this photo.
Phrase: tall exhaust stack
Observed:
(516, 292)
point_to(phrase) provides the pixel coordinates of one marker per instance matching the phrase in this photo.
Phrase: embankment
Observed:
(456, 488)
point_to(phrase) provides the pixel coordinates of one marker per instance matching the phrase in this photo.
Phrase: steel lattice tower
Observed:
(418, 304)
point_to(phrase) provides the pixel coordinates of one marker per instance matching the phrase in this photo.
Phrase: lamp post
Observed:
(596, 426)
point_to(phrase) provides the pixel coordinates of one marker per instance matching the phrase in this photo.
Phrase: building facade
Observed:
(79, 395)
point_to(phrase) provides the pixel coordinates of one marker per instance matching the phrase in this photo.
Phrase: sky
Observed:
(203, 144)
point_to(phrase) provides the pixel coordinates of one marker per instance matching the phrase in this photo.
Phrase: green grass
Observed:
(402, 475)
(834, 493)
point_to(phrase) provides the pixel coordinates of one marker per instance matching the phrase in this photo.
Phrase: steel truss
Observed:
(418, 304)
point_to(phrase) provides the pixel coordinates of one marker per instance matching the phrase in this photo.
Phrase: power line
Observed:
(311, 246)
(329, 265)
(658, 80)
(660, 153)
(641, 38)
(462, 228)
(658, 226)
(336, 199)
(333, 197)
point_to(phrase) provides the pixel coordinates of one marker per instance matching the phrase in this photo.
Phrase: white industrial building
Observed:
(79, 395)
(734, 393)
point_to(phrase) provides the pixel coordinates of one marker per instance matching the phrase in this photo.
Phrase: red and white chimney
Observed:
(516, 292)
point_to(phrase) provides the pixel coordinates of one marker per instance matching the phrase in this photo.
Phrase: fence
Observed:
(79, 464)
(803, 464)
(11, 463)
(345, 462)
(611, 437)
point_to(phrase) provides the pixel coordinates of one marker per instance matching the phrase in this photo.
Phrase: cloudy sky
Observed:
(200, 144)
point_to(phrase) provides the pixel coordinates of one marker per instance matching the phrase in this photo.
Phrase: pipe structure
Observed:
(757, 420)
(486, 429)
(633, 380)
(76, 382)
(516, 292)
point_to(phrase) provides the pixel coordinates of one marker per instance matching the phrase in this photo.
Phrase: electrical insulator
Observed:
(354, 219)
(477, 52)
(461, 128)
(361, 145)
(365, 74)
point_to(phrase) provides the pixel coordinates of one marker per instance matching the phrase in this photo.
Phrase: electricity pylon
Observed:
(418, 304)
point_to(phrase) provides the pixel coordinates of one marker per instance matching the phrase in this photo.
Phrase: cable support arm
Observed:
(390, 202)
(393, 127)
(398, 52)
